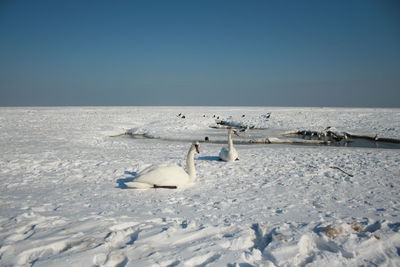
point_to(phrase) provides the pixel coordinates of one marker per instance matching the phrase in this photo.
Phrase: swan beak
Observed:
(197, 148)
(236, 133)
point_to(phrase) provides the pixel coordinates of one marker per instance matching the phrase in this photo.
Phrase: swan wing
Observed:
(165, 175)
(228, 155)
(223, 154)
(153, 167)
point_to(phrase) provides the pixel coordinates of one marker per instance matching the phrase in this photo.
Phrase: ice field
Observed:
(63, 199)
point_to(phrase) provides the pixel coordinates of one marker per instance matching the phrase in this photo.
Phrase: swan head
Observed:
(196, 146)
(234, 131)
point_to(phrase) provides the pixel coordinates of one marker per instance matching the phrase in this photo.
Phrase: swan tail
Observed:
(139, 185)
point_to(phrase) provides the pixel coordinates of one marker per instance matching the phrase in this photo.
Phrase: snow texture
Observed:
(63, 199)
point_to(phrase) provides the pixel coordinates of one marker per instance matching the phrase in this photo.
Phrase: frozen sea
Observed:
(63, 199)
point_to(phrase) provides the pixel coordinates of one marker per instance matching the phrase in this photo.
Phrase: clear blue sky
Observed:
(196, 52)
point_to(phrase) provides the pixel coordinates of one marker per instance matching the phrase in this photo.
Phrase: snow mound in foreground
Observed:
(103, 241)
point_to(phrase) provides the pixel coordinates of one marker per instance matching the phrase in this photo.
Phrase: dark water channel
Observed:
(219, 136)
(351, 142)
(354, 142)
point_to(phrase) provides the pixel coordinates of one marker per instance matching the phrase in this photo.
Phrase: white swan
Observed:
(167, 176)
(229, 153)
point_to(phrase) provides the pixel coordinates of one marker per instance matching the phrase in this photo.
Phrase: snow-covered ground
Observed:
(63, 201)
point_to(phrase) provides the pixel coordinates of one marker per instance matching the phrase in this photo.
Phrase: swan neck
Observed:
(230, 142)
(190, 163)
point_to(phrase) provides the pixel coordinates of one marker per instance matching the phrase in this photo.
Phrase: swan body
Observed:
(229, 153)
(167, 175)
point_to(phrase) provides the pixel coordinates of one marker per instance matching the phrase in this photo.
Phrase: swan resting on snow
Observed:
(167, 175)
(229, 153)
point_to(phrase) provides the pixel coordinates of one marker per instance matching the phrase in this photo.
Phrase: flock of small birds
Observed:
(221, 121)
(264, 116)
(180, 115)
